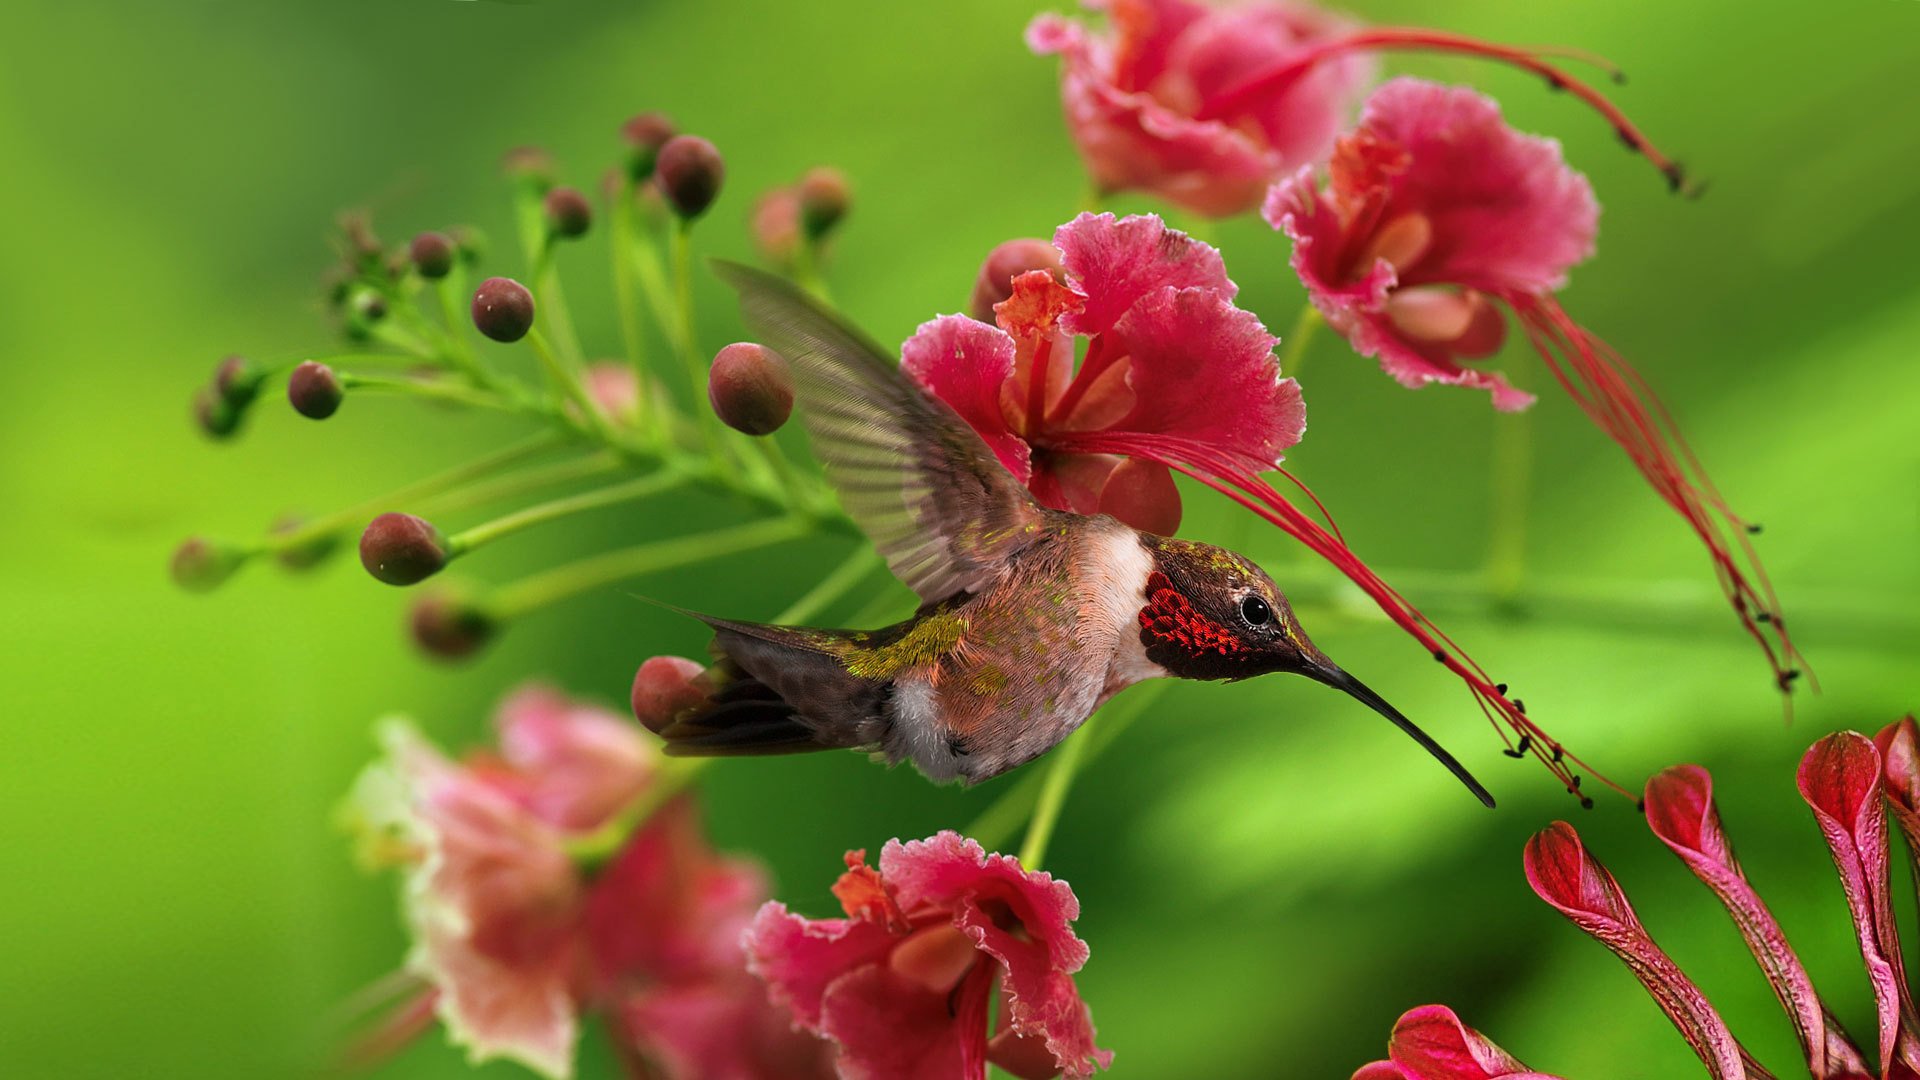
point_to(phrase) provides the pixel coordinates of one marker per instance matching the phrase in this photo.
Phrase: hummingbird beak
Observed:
(1326, 672)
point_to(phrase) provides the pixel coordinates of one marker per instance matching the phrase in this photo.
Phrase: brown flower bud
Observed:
(567, 212)
(645, 135)
(1006, 262)
(202, 565)
(824, 199)
(750, 388)
(447, 625)
(663, 688)
(503, 309)
(689, 172)
(314, 390)
(401, 549)
(432, 254)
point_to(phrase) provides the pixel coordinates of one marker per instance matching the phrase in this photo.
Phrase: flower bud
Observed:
(215, 415)
(401, 549)
(567, 212)
(447, 625)
(1006, 262)
(314, 390)
(645, 135)
(369, 306)
(615, 389)
(689, 171)
(750, 388)
(237, 381)
(824, 199)
(530, 165)
(503, 309)
(775, 225)
(201, 565)
(432, 254)
(663, 688)
(308, 553)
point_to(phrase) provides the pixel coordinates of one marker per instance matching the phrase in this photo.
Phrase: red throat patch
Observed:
(1169, 617)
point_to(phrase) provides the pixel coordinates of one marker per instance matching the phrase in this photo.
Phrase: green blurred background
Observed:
(1269, 875)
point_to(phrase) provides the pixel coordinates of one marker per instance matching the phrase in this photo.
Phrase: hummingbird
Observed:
(1030, 617)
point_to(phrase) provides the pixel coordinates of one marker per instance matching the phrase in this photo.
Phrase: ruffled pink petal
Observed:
(1357, 307)
(490, 904)
(965, 363)
(1430, 1043)
(721, 1028)
(891, 1028)
(1899, 746)
(1840, 779)
(578, 764)
(1564, 875)
(1203, 374)
(1115, 262)
(1073, 482)
(990, 897)
(1681, 812)
(668, 907)
(1380, 1070)
(1507, 213)
(799, 958)
(1142, 494)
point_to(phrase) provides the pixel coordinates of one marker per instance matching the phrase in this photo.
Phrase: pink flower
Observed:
(1205, 105)
(1146, 102)
(904, 983)
(1430, 1043)
(1165, 346)
(1437, 220)
(514, 938)
(1849, 781)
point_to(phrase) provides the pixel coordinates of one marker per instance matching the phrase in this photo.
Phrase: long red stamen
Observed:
(1619, 402)
(1414, 38)
(1237, 479)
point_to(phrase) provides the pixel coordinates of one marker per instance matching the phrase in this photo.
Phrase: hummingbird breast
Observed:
(1038, 651)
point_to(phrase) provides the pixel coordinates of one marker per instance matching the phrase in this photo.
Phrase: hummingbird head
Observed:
(1212, 614)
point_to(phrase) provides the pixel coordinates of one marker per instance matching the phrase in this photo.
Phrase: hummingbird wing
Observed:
(937, 503)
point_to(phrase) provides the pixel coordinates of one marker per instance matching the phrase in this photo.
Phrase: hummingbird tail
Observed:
(777, 690)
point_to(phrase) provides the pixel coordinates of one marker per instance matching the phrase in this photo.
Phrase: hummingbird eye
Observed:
(1255, 610)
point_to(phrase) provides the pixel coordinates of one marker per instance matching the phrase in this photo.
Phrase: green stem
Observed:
(437, 390)
(1053, 795)
(646, 486)
(1293, 351)
(806, 269)
(673, 776)
(521, 483)
(620, 243)
(562, 582)
(450, 289)
(359, 513)
(679, 240)
(831, 588)
(566, 380)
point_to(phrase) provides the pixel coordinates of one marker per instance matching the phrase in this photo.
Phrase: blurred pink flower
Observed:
(1849, 781)
(1166, 346)
(514, 938)
(1148, 102)
(1437, 216)
(904, 983)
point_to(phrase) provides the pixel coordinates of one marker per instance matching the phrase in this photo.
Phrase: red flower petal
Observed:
(1114, 262)
(1681, 812)
(863, 894)
(1203, 372)
(1142, 494)
(720, 1028)
(1430, 1043)
(1565, 876)
(965, 363)
(800, 958)
(577, 764)
(1840, 780)
(1899, 746)
(890, 1028)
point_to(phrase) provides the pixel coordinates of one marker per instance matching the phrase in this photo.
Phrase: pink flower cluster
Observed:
(515, 938)
(1852, 783)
